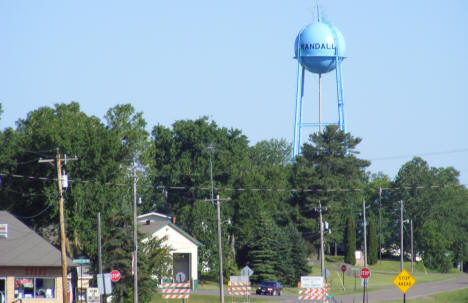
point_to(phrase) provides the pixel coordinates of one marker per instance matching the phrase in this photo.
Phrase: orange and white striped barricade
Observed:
(239, 289)
(176, 290)
(314, 293)
(313, 288)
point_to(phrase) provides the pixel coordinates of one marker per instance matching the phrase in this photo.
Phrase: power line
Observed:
(422, 155)
(36, 215)
(254, 189)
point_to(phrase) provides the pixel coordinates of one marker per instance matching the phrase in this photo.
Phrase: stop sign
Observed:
(343, 268)
(115, 276)
(365, 273)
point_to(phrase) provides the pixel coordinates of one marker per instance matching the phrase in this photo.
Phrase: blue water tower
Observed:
(319, 48)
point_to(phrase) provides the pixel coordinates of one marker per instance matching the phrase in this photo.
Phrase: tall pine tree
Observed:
(262, 254)
(372, 250)
(350, 242)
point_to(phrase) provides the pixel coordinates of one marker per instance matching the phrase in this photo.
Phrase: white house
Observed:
(184, 247)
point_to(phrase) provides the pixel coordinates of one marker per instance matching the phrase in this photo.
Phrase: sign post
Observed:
(404, 281)
(343, 269)
(365, 274)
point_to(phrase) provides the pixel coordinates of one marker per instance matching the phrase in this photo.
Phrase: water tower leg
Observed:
(320, 102)
(298, 111)
(339, 94)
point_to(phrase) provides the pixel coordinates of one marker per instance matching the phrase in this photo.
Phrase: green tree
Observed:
(373, 248)
(350, 242)
(154, 259)
(181, 177)
(262, 254)
(283, 261)
(429, 196)
(326, 171)
(299, 254)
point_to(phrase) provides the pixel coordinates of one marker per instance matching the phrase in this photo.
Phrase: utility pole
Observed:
(100, 256)
(412, 256)
(401, 235)
(220, 249)
(364, 227)
(135, 239)
(220, 246)
(322, 255)
(218, 212)
(58, 162)
(380, 224)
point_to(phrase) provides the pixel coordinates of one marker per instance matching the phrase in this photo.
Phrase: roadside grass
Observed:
(195, 298)
(456, 296)
(382, 275)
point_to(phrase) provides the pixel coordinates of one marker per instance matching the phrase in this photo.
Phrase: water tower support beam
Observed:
(339, 94)
(298, 111)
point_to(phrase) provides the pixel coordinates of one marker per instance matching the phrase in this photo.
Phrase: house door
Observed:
(2, 290)
(181, 267)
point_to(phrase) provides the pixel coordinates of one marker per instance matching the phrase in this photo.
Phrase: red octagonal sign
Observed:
(115, 275)
(365, 273)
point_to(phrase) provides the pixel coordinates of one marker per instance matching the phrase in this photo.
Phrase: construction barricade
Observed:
(176, 290)
(318, 294)
(239, 289)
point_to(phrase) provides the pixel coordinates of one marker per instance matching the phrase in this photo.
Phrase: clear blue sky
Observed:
(405, 77)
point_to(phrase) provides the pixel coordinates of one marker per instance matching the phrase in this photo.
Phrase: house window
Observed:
(29, 288)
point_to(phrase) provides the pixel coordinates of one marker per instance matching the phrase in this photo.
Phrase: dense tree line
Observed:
(270, 221)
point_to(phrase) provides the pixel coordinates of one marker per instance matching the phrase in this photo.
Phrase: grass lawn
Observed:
(382, 275)
(207, 299)
(457, 296)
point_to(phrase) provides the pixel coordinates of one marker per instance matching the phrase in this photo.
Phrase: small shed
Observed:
(184, 247)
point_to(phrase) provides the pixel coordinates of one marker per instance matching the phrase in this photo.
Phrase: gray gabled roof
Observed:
(24, 247)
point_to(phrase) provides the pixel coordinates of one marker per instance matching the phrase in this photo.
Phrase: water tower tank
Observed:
(318, 45)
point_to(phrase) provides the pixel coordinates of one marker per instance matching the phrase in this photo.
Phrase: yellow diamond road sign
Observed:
(404, 281)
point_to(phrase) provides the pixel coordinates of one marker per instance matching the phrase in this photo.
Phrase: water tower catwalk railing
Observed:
(333, 61)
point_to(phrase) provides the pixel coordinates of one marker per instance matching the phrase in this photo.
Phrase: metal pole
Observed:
(412, 256)
(320, 103)
(322, 257)
(102, 298)
(135, 239)
(380, 225)
(401, 235)
(220, 253)
(62, 231)
(364, 230)
(211, 180)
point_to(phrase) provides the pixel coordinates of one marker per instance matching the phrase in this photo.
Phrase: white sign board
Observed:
(92, 295)
(311, 282)
(239, 279)
(104, 283)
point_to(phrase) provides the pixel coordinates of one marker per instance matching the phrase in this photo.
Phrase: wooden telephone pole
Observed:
(58, 162)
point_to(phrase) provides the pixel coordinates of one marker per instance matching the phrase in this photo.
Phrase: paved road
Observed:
(391, 293)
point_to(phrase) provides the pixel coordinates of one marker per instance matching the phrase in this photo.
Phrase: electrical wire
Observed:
(421, 155)
(36, 215)
(253, 189)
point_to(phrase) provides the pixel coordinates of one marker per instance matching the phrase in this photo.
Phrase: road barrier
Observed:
(176, 290)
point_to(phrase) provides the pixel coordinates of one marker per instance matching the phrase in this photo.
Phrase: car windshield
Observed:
(268, 284)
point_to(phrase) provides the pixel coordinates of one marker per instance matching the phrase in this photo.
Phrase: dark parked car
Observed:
(270, 288)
